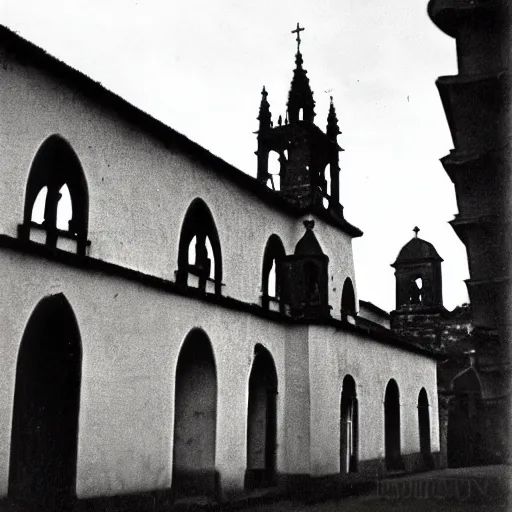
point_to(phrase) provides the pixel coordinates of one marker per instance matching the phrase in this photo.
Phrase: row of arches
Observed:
(57, 201)
(44, 436)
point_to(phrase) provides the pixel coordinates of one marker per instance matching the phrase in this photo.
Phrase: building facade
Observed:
(477, 104)
(187, 330)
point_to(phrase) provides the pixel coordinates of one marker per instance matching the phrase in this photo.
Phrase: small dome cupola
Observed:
(301, 105)
(418, 275)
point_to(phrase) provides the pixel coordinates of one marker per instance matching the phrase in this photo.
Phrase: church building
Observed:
(173, 327)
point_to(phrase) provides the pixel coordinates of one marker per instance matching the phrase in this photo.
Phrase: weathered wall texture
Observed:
(131, 334)
(139, 190)
(334, 354)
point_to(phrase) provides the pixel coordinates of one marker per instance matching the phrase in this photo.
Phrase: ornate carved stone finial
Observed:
(309, 224)
(416, 231)
(297, 31)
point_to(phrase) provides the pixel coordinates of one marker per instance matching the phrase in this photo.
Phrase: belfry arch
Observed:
(56, 177)
(44, 435)
(199, 229)
(195, 418)
(262, 421)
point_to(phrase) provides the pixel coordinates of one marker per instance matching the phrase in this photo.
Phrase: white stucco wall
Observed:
(139, 190)
(131, 337)
(333, 354)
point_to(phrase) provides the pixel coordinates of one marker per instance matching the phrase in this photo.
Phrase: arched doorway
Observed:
(392, 427)
(464, 438)
(261, 421)
(424, 428)
(44, 435)
(348, 427)
(195, 418)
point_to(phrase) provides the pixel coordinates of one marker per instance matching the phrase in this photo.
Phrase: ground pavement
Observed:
(478, 489)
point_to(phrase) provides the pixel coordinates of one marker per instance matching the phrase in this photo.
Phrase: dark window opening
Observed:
(348, 298)
(195, 418)
(392, 434)
(44, 436)
(262, 421)
(424, 428)
(57, 198)
(199, 254)
(272, 260)
(349, 427)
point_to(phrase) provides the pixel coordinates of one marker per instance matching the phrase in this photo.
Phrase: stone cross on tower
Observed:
(297, 31)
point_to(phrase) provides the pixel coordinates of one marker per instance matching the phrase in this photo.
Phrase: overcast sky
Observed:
(199, 67)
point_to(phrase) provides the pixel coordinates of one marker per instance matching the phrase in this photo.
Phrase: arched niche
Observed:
(195, 418)
(348, 298)
(199, 229)
(392, 427)
(349, 426)
(57, 198)
(424, 428)
(271, 272)
(44, 435)
(262, 421)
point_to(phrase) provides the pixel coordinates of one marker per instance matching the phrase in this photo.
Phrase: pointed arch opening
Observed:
(199, 253)
(348, 298)
(274, 170)
(195, 418)
(44, 437)
(262, 421)
(271, 274)
(392, 433)
(57, 198)
(466, 435)
(349, 426)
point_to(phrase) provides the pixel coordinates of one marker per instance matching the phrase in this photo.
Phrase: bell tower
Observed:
(308, 158)
(419, 295)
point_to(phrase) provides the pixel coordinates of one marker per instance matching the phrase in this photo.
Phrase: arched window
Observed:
(392, 433)
(262, 421)
(199, 253)
(274, 170)
(349, 433)
(271, 275)
(56, 199)
(348, 299)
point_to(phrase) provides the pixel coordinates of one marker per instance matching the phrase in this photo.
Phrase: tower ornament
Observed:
(416, 231)
(297, 31)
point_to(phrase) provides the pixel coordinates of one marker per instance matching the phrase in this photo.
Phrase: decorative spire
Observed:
(300, 96)
(416, 231)
(333, 130)
(264, 116)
